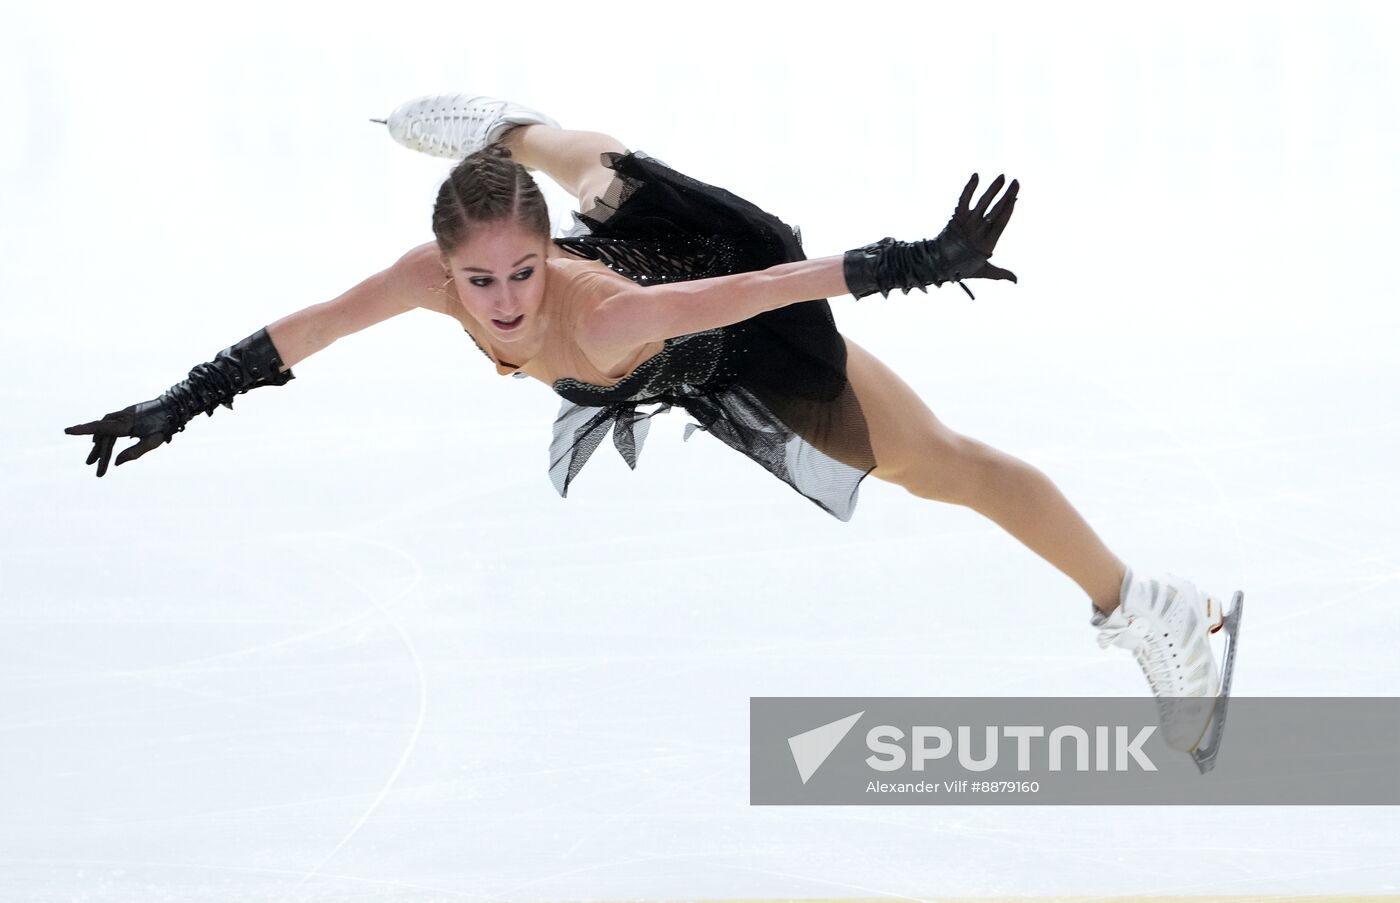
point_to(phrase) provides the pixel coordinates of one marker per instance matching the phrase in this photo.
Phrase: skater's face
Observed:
(499, 275)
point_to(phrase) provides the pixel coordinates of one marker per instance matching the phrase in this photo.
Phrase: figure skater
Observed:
(672, 292)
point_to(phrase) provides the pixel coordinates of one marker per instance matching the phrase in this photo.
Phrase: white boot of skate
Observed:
(456, 125)
(1167, 624)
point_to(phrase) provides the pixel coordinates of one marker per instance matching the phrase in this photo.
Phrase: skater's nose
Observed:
(511, 300)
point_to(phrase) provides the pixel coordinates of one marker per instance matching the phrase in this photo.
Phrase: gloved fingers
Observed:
(96, 451)
(105, 445)
(131, 453)
(1001, 213)
(990, 193)
(967, 193)
(115, 423)
(87, 429)
(992, 271)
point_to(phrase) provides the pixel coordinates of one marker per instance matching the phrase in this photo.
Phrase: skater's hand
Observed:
(979, 228)
(145, 421)
(959, 252)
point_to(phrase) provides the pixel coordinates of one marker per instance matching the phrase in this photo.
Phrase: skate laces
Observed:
(1147, 646)
(450, 125)
(453, 132)
(1156, 664)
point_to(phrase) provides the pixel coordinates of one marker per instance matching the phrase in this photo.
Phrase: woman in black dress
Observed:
(675, 293)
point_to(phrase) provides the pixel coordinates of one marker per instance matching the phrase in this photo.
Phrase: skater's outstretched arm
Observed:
(628, 317)
(631, 316)
(404, 286)
(266, 357)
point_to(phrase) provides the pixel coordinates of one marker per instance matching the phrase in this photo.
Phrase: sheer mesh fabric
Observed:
(772, 387)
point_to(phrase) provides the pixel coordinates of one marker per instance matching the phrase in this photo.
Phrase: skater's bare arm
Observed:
(408, 284)
(630, 316)
(634, 315)
(249, 363)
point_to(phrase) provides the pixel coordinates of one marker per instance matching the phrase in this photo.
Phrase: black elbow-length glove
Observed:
(249, 364)
(959, 252)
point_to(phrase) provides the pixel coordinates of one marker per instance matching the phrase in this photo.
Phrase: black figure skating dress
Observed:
(773, 386)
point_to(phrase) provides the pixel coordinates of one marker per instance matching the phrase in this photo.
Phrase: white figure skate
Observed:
(456, 125)
(1167, 624)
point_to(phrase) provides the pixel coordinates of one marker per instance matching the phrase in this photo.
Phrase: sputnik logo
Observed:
(811, 748)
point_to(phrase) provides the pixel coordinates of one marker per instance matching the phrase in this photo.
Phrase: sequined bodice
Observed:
(685, 366)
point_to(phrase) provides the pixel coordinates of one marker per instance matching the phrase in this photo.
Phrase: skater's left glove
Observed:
(959, 252)
(248, 364)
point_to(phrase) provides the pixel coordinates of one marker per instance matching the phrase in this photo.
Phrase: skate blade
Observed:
(1205, 752)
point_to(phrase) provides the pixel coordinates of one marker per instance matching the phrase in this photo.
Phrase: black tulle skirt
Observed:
(773, 387)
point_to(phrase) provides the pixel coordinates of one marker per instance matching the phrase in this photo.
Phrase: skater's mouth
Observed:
(508, 325)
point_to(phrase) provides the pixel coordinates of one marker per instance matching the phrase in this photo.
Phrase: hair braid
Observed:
(487, 188)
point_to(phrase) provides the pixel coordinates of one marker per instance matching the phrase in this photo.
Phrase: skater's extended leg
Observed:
(917, 451)
(1165, 621)
(567, 156)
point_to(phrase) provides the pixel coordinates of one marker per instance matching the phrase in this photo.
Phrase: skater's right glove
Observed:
(249, 364)
(959, 252)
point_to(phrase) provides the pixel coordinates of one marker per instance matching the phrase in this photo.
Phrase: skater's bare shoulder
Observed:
(419, 279)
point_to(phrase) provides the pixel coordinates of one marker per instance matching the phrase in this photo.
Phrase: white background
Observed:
(346, 642)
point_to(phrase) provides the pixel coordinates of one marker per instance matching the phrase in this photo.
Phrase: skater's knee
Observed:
(945, 466)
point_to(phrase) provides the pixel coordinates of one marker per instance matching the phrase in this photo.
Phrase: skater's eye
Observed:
(483, 281)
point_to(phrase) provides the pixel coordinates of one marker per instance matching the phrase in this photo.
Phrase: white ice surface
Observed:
(345, 642)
